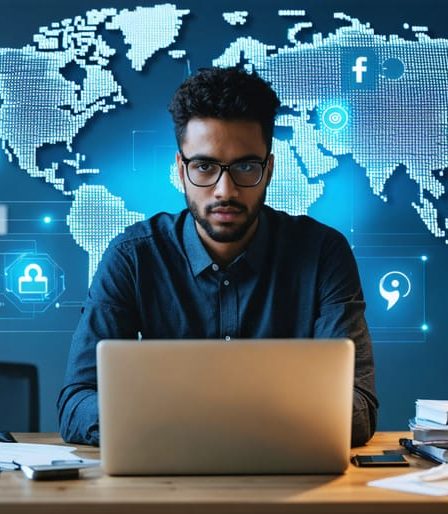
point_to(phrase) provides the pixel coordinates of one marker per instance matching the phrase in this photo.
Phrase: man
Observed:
(228, 266)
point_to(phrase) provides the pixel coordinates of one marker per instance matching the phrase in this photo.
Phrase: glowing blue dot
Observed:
(47, 219)
(424, 327)
(424, 258)
(57, 305)
(335, 117)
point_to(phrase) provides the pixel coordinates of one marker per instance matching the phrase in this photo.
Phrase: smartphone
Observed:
(50, 472)
(389, 459)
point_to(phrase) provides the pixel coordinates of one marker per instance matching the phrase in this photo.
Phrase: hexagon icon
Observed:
(33, 282)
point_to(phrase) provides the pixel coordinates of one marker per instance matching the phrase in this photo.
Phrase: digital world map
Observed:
(382, 100)
(87, 148)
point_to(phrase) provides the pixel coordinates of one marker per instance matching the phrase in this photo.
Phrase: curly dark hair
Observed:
(226, 94)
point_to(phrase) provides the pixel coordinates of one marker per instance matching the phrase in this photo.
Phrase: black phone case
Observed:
(358, 460)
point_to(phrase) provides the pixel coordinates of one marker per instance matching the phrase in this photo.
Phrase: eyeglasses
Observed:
(206, 173)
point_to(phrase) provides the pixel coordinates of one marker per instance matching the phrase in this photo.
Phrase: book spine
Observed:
(430, 435)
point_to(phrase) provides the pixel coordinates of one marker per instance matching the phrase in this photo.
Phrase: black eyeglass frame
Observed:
(224, 167)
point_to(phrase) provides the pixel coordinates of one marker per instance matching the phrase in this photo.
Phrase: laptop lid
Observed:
(209, 407)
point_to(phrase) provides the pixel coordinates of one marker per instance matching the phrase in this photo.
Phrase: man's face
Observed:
(224, 212)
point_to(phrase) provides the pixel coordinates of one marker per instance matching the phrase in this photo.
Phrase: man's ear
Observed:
(180, 168)
(270, 169)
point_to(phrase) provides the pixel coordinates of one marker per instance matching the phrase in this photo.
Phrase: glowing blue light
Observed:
(424, 327)
(47, 219)
(424, 258)
(335, 117)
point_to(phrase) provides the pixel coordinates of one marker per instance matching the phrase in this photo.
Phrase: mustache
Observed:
(229, 203)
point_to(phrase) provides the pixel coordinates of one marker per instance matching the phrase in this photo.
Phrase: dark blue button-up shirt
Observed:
(296, 279)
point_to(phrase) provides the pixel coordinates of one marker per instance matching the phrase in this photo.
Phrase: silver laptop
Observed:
(199, 407)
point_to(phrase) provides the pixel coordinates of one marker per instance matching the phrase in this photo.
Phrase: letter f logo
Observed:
(359, 68)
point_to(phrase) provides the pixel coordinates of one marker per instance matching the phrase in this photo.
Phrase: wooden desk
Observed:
(98, 493)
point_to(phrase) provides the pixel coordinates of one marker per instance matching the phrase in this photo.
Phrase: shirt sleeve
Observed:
(341, 314)
(109, 313)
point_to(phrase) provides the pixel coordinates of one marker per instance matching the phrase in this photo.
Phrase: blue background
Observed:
(134, 147)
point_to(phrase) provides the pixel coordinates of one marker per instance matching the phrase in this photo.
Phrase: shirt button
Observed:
(215, 267)
(226, 282)
(227, 338)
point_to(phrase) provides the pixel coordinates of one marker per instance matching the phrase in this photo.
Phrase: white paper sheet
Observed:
(23, 453)
(413, 483)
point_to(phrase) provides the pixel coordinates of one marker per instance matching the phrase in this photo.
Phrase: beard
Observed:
(226, 232)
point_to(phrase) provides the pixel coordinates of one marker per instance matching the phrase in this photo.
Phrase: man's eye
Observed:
(203, 167)
(244, 167)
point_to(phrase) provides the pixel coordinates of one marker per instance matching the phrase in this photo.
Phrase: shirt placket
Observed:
(228, 306)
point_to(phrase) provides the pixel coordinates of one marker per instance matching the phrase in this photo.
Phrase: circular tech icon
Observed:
(33, 282)
(335, 117)
(393, 286)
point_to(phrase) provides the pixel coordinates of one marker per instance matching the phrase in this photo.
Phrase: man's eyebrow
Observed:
(204, 157)
(249, 157)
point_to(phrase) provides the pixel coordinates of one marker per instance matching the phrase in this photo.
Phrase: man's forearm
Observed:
(364, 419)
(78, 417)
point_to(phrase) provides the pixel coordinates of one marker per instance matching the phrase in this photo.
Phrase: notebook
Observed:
(200, 407)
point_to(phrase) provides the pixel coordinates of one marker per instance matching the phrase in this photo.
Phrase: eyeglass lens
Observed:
(206, 173)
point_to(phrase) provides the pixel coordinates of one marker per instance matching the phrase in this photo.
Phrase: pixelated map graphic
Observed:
(380, 99)
(235, 17)
(401, 117)
(96, 217)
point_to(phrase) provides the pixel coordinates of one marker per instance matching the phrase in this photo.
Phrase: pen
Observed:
(414, 449)
(70, 462)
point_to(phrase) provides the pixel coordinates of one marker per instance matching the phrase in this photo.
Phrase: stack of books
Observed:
(430, 429)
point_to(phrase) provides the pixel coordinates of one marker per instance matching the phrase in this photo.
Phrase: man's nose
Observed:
(225, 187)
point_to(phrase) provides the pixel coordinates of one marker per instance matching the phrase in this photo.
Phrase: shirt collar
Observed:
(199, 258)
(197, 255)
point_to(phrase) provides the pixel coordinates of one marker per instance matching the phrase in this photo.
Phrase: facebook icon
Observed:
(359, 67)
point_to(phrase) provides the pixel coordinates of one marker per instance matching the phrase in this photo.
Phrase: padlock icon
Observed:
(33, 284)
